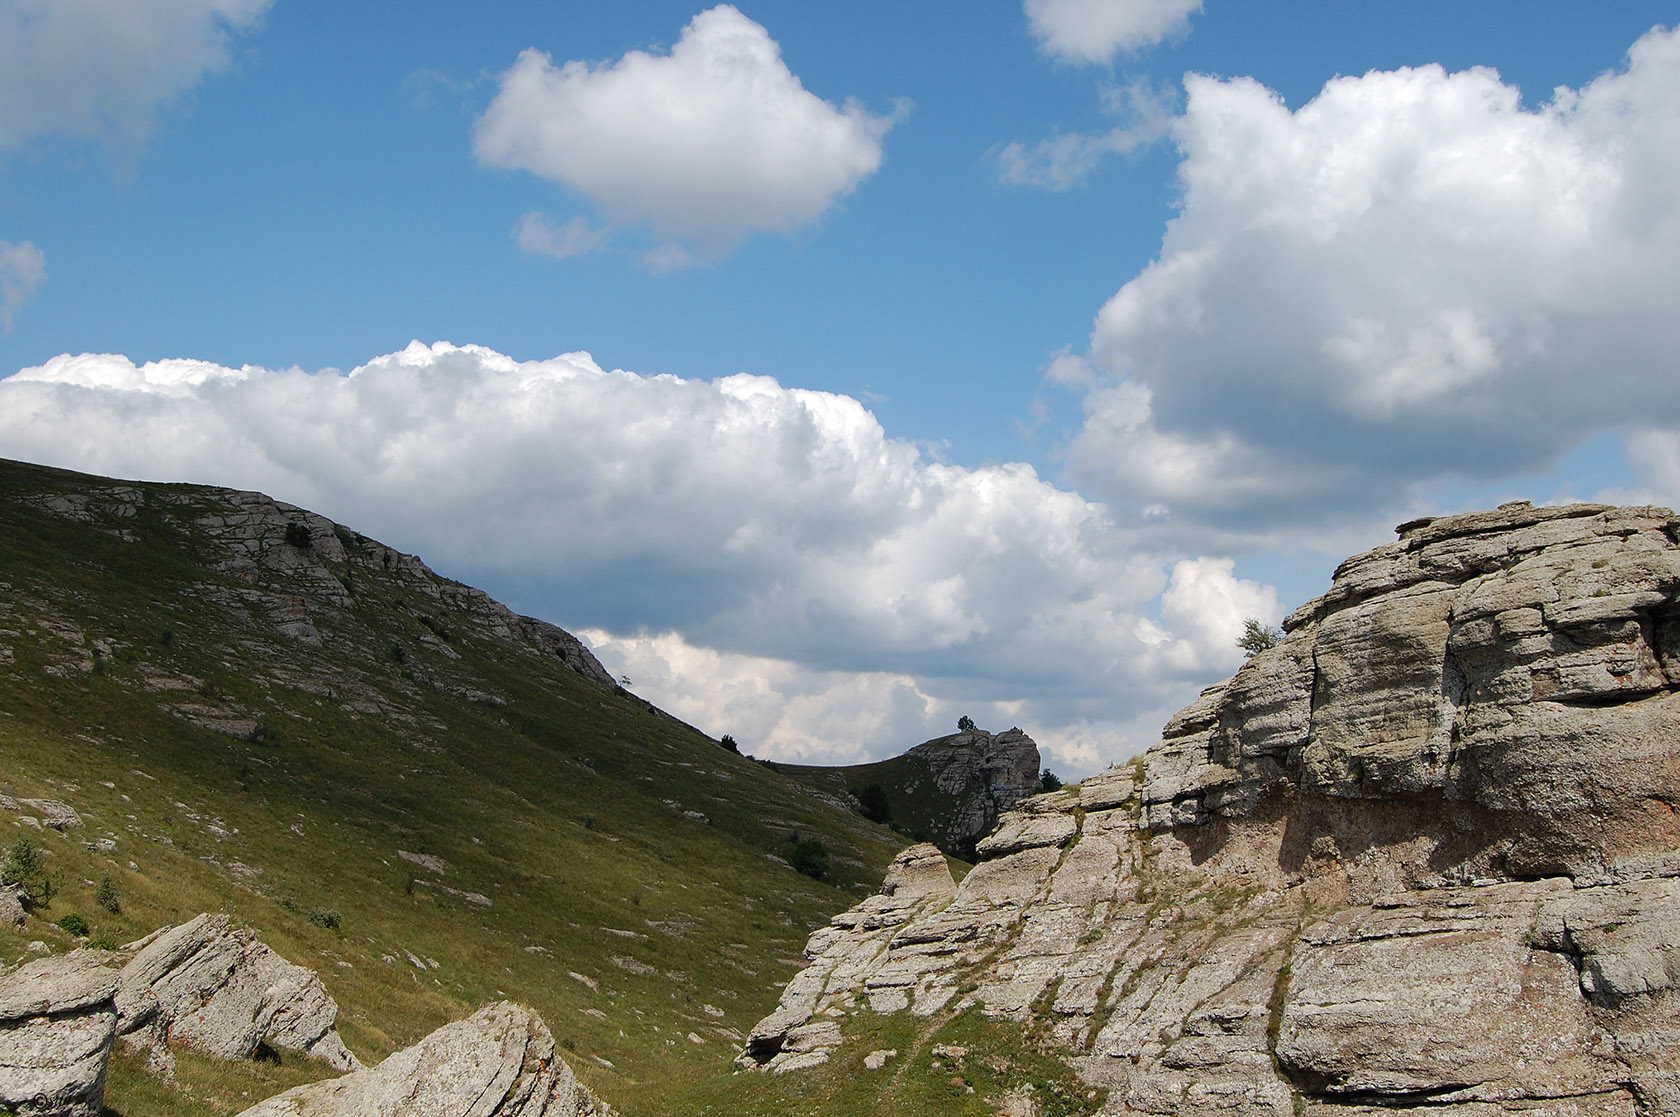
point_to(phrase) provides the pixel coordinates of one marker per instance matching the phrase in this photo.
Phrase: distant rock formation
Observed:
(217, 989)
(499, 1062)
(950, 790)
(58, 1016)
(1422, 856)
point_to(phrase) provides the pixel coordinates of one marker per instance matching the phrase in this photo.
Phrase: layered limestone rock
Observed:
(983, 774)
(1421, 853)
(58, 1016)
(215, 988)
(499, 1062)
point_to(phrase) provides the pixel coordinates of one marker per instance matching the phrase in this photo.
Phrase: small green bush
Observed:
(1257, 637)
(25, 867)
(105, 895)
(76, 925)
(23, 862)
(873, 799)
(297, 535)
(808, 856)
(326, 917)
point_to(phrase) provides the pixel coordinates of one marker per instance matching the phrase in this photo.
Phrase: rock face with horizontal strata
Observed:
(1423, 853)
(499, 1062)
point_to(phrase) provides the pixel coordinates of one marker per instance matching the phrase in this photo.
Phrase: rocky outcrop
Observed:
(950, 790)
(215, 988)
(1421, 853)
(499, 1062)
(982, 775)
(58, 1016)
(14, 906)
(918, 881)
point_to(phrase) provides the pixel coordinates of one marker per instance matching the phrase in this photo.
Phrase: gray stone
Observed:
(499, 1062)
(1420, 857)
(217, 989)
(13, 912)
(58, 1017)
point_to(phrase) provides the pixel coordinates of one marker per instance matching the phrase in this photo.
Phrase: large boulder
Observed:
(215, 988)
(58, 1016)
(499, 1062)
(1420, 856)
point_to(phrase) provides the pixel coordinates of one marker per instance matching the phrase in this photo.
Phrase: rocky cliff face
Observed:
(1421, 854)
(950, 790)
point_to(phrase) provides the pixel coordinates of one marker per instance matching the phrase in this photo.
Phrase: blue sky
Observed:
(1081, 329)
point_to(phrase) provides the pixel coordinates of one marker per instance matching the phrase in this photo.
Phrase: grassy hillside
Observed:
(256, 718)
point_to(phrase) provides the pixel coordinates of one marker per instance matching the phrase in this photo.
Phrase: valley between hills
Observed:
(1420, 856)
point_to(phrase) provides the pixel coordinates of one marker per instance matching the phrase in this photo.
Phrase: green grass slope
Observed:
(255, 724)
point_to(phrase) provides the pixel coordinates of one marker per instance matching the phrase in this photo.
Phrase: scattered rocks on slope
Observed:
(219, 990)
(499, 1062)
(58, 1016)
(1422, 853)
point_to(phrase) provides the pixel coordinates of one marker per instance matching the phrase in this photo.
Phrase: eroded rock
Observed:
(1420, 856)
(216, 988)
(499, 1062)
(58, 1016)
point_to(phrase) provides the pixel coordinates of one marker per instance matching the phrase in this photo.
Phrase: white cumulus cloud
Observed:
(1097, 30)
(23, 267)
(756, 557)
(1413, 279)
(94, 69)
(705, 145)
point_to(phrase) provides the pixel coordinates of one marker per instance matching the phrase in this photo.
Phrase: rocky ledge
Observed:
(1423, 853)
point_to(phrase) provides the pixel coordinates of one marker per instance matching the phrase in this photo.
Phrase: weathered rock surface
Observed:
(951, 790)
(58, 1016)
(499, 1062)
(1421, 854)
(13, 911)
(217, 989)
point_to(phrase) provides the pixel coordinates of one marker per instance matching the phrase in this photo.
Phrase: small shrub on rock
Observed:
(1257, 637)
(297, 535)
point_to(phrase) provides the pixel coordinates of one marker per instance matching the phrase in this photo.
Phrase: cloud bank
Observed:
(762, 549)
(91, 69)
(703, 146)
(1411, 280)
